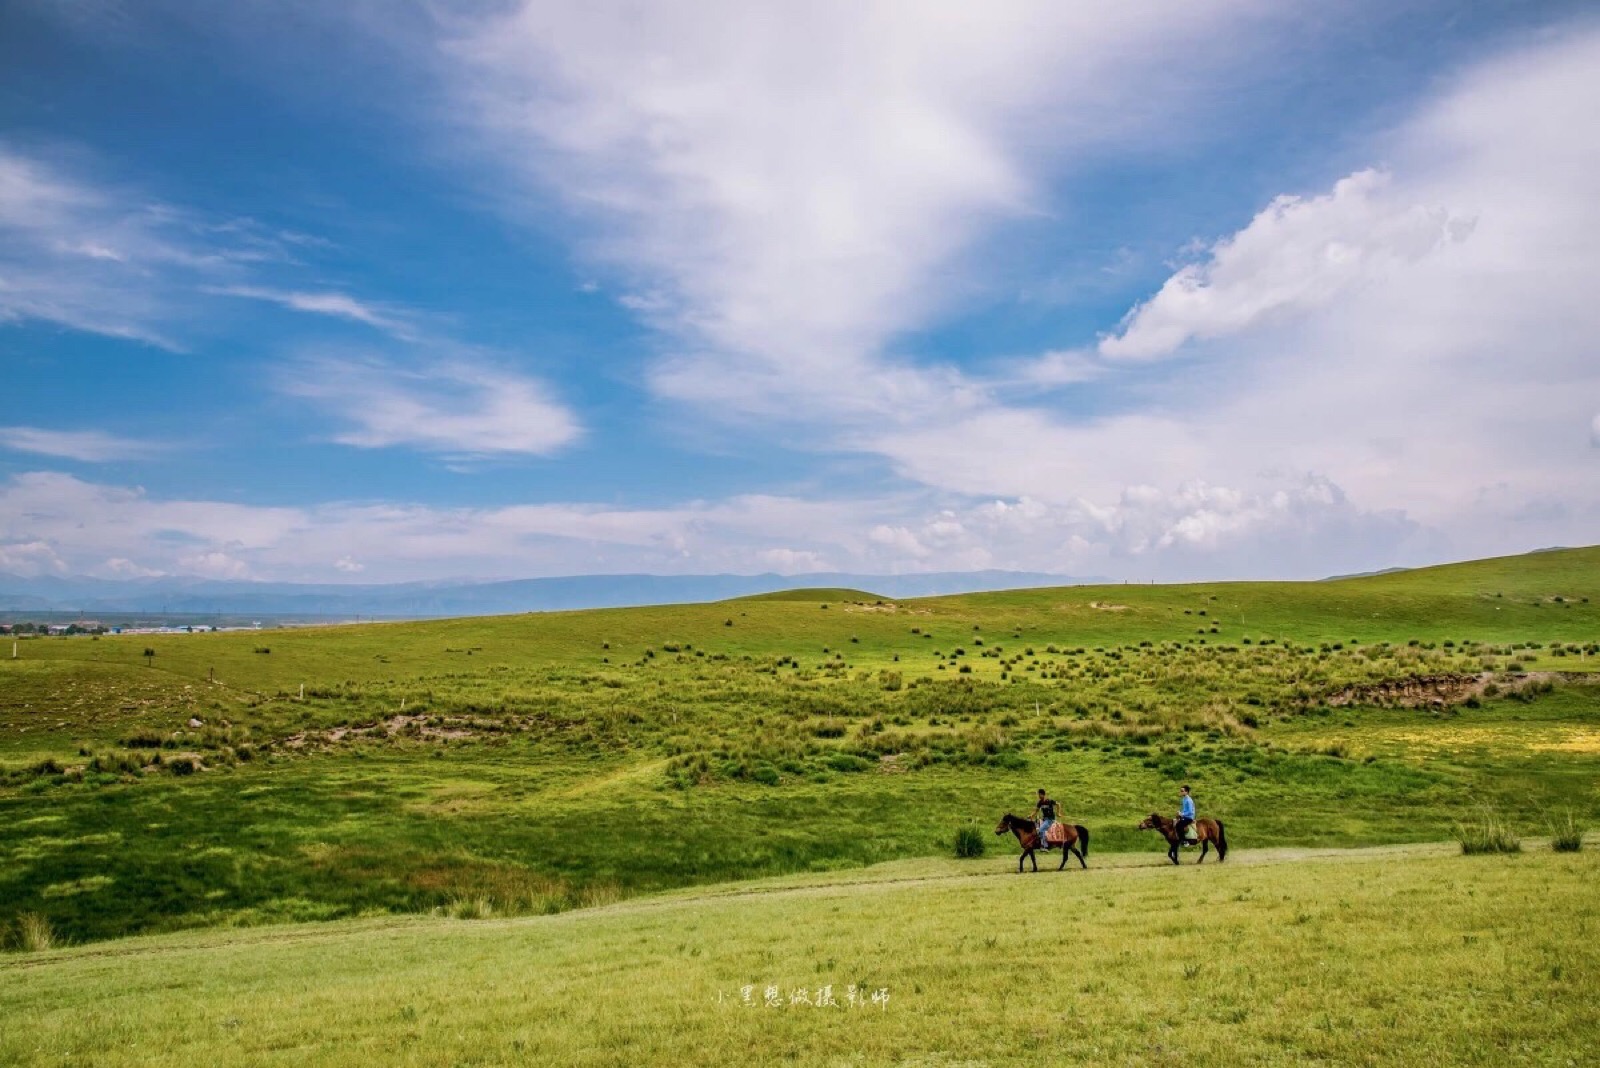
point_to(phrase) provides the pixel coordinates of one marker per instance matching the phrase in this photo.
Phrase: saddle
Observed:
(1056, 835)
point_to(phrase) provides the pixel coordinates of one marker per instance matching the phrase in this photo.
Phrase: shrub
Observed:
(970, 843)
(34, 934)
(1488, 832)
(1566, 833)
(183, 765)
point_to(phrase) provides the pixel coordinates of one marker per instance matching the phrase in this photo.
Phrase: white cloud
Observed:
(214, 565)
(30, 558)
(792, 561)
(1428, 370)
(86, 446)
(784, 184)
(457, 408)
(91, 255)
(335, 304)
(97, 259)
(123, 568)
(1296, 256)
(56, 523)
(786, 193)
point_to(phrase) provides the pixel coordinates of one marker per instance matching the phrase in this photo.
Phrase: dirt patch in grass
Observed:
(1439, 691)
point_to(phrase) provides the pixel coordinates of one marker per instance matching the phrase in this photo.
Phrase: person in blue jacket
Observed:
(1185, 815)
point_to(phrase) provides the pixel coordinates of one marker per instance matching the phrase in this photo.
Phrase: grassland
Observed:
(533, 764)
(1395, 956)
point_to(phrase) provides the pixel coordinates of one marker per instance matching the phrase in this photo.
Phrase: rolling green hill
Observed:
(544, 762)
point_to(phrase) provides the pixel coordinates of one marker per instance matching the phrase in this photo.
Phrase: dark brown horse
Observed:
(1206, 831)
(1074, 841)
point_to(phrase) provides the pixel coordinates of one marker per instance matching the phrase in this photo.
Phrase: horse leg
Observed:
(1205, 847)
(1033, 858)
(1172, 852)
(1082, 863)
(1065, 849)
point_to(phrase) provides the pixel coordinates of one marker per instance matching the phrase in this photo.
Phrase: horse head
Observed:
(1004, 826)
(1151, 822)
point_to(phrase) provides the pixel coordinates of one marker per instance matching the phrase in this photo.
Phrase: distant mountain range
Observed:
(170, 596)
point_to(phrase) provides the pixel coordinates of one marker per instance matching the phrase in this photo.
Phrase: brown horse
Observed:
(1205, 830)
(1028, 839)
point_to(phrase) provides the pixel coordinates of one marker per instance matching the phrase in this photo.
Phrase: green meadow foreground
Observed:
(533, 764)
(530, 838)
(1410, 955)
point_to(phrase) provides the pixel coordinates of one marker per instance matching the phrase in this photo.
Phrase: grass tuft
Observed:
(1488, 832)
(1566, 833)
(34, 933)
(970, 843)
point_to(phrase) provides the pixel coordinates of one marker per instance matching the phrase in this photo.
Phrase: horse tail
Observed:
(1222, 843)
(1083, 838)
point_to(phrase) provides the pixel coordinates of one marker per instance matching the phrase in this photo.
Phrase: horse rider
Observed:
(1185, 815)
(1044, 814)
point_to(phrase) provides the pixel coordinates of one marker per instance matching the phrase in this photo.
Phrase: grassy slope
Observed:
(1407, 956)
(1510, 599)
(575, 733)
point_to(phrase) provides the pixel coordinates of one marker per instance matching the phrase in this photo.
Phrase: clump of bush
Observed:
(1487, 832)
(33, 933)
(1566, 833)
(970, 843)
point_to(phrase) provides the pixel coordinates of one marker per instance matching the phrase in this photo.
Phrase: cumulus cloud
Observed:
(1299, 254)
(456, 407)
(1368, 334)
(30, 559)
(85, 446)
(55, 523)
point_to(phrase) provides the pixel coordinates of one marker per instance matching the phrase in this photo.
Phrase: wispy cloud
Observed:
(85, 446)
(89, 258)
(789, 186)
(95, 256)
(455, 407)
(331, 303)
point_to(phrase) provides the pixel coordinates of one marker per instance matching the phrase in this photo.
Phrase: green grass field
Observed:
(537, 763)
(530, 833)
(1393, 956)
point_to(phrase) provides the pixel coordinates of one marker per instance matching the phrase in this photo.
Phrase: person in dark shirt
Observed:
(1044, 813)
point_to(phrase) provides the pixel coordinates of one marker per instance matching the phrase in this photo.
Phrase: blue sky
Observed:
(506, 289)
